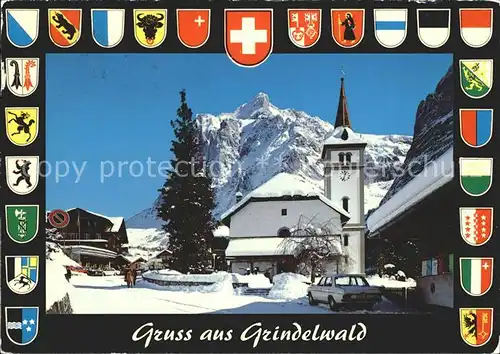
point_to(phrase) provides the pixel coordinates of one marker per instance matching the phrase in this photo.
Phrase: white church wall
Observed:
(349, 188)
(261, 219)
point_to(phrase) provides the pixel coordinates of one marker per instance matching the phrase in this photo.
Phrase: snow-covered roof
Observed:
(221, 231)
(132, 259)
(91, 251)
(283, 185)
(434, 175)
(271, 246)
(343, 136)
(117, 221)
(159, 253)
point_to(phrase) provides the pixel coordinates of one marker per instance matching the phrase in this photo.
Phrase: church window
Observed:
(283, 212)
(346, 240)
(284, 232)
(345, 203)
(341, 157)
(348, 157)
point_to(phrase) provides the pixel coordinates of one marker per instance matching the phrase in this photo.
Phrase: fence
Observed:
(403, 297)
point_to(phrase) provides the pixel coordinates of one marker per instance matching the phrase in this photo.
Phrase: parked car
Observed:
(110, 271)
(76, 270)
(95, 272)
(344, 290)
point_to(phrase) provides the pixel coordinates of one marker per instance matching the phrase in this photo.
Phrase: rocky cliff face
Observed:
(433, 133)
(249, 146)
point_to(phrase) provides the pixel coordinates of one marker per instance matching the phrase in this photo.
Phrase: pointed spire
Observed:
(342, 119)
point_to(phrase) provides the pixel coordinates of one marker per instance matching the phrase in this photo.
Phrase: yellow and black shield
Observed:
(150, 27)
(21, 125)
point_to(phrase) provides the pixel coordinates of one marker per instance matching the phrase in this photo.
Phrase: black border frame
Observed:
(385, 333)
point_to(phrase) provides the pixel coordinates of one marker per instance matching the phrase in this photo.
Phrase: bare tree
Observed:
(315, 245)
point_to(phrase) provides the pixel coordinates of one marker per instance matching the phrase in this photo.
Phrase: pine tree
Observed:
(187, 198)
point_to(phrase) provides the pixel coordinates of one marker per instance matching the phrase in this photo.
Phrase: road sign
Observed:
(58, 218)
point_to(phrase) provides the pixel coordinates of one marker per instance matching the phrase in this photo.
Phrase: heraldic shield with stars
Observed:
(21, 324)
(22, 273)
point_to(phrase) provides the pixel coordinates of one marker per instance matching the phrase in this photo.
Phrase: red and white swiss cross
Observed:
(248, 35)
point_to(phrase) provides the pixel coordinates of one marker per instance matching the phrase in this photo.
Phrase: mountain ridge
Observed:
(249, 146)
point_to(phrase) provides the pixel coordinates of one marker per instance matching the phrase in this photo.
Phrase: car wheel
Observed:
(311, 300)
(332, 304)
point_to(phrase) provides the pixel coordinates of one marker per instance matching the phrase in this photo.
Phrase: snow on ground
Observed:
(253, 280)
(110, 295)
(376, 280)
(289, 286)
(56, 284)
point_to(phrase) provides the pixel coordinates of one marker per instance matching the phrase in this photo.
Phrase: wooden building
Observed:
(418, 213)
(92, 238)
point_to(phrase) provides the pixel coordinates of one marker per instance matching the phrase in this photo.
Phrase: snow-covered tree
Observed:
(314, 245)
(187, 199)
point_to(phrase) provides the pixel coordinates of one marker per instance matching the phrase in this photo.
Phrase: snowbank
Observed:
(253, 280)
(289, 286)
(169, 272)
(376, 280)
(221, 231)
(222, 282)
(57, 287)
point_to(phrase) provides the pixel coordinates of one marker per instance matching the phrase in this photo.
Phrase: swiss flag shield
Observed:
(193, 27)
(248, 35)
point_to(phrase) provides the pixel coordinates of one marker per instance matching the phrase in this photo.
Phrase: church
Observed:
(271, 227)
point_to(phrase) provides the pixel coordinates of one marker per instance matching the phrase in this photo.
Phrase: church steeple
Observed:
(342, 119)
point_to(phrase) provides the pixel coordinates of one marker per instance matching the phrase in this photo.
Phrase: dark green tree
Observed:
(186, 200)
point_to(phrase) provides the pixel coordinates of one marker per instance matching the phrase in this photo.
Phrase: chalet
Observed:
(264, 225)
(418, 213)
(122, 261)
(159, 260)
(92, 238)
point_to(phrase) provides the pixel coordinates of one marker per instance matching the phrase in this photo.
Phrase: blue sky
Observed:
(117, 107)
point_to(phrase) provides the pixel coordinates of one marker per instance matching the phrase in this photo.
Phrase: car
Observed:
(344, 290)
(108, 271)
(95, 272)
(76, 270)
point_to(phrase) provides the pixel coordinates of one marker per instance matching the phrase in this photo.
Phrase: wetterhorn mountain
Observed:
(246, 148)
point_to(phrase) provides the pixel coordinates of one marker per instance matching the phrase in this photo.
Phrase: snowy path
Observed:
(110, 295)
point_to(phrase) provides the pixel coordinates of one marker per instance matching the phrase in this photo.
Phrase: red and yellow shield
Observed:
(65, 26)
(476, 325)
(348, 26)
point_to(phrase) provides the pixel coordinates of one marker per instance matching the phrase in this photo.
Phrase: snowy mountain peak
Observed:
(258, 141)
(259, 107)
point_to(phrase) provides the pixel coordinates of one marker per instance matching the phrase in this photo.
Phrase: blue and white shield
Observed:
(22, 26)
(21, 324)
(390, 26)
(108, 26)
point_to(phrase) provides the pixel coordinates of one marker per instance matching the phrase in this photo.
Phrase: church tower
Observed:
(343, 156)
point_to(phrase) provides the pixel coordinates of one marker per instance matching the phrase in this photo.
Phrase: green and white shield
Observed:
(21, 222)
(476, 77)
(476, 175)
